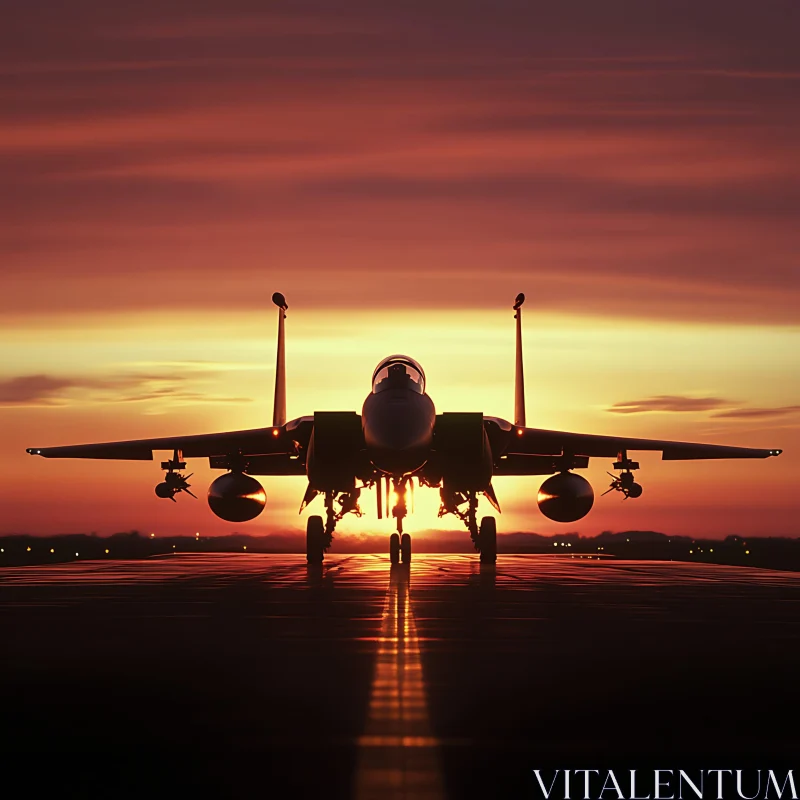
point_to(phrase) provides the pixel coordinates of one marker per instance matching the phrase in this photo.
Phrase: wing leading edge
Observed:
(281, 440)
(518, 444)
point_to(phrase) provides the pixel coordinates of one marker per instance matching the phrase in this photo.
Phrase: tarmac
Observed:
(239, 673)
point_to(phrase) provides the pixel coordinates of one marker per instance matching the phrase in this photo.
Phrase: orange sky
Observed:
(400, 175)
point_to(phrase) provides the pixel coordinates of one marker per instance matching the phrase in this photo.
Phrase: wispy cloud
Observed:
(671, 403)
(33, 390)
(49, 390)
(721, 408)
(758, 413)
(583, 139)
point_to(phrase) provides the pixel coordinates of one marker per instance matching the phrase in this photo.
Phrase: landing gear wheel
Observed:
(394, 548)
(405, 548)
(488, 540)
(315, 535)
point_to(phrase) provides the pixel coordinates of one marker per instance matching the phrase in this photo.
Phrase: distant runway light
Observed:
(245, 547)
(747, 552)
(29, 549)
(51, 550)
(152, 536)
(76, 555)
(106, 552)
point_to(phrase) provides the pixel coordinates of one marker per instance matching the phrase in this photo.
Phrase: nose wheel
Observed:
(405, 548)
(394, 548)
(400, 548)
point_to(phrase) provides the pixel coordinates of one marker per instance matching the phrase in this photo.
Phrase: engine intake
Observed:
(565, 497)
(236, 497)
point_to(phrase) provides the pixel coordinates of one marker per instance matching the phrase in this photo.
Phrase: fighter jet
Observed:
(398, 438)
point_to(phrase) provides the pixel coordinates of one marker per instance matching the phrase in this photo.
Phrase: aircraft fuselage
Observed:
(398, 418)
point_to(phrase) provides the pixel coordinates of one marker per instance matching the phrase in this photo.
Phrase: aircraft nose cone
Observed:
(398, 430)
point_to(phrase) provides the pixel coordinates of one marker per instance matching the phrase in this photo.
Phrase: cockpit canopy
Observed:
(398, 372)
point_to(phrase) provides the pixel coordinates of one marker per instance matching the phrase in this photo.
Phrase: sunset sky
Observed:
(400, 174)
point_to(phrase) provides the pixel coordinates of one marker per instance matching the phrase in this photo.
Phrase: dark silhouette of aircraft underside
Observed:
(397, 438)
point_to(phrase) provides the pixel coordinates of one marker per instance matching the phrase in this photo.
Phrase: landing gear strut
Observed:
(624, 482)
(400, 510)
(450, 505)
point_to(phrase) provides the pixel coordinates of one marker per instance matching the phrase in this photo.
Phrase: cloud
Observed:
(723, 409)
(670, 403)
(578, 139)
(32, 390)
(49, 390)
(757, 413)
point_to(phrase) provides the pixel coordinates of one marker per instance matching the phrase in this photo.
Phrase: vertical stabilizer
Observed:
(279, 404)
(519, 381)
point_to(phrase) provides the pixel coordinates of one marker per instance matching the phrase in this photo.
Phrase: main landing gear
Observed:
(487, 540)
(400, 543)
(319, 534)
(484, 537)
(315, 540)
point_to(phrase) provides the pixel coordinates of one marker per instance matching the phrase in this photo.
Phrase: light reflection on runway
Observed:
(435, 568)
(398, 755)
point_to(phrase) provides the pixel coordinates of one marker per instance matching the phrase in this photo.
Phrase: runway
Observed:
(447, 679)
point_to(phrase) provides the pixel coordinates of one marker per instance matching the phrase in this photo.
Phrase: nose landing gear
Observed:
(400, 543)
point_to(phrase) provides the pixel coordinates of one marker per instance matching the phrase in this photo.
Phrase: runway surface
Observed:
(448, 679)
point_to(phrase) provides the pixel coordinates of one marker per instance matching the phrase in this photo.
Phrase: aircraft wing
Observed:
(520, 445)
(281, 440)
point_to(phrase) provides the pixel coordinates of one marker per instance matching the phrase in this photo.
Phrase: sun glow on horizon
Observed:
(576, 368)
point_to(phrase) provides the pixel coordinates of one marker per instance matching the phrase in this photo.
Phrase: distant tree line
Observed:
(766, 552)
